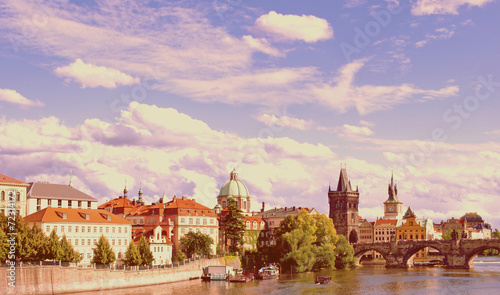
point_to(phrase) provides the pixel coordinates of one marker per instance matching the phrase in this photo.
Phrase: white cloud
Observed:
(308, 28)
(440, 34)
(350, 131)
(261, 44)
(12, 96)
(369, 98)
(285, 121)
(89, 75)
(428, 7)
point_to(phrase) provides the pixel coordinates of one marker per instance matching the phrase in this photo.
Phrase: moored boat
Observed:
(268, 272)
(216, 273)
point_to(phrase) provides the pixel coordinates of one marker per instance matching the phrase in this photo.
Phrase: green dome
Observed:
(234, 187)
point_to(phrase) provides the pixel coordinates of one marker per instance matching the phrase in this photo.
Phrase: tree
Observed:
(307, 242)
(103, 254)
(68, 253)
(25, 245)
(145, 252)
(53, 246)
(495, 234)
(4, 246)
(179, 256)
(234, 228)
(344, 254)
(132, 255)
(197, 243)
(39, 243)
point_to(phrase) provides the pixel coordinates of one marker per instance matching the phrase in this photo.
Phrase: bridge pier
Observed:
(458, 261)
(396, 261)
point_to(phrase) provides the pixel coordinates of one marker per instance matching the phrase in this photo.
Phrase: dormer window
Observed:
(62, 215)
(84, 215)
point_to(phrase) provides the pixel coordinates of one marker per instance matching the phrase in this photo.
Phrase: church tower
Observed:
(344, 208)
(393, 208)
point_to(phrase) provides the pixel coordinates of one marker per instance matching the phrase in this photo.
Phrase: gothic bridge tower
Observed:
(344, 208)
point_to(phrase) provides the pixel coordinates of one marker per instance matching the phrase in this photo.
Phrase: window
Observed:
(183, 230)
(76, 242)
(211, 230)
(83, 242)
(119, 230)
(244, 204)
(39, 201)
(88, 255)
(124, 241)
(38, 207)
(119, 242)
(76, 229)
(69, 241)
(95, 229)
(113, 229)
(183, 220)
(88, 242)
(47, 229)
(95, 242)
(107, 229)
(197, 221)
(212, 221)
(18, 196)
(89, 204)
(112, 242)
(119, 255)
(69, 203)
(79, 204)
(190, 220)
(3, 196)
(125, 230)
(69, 228)
(59, 203)
(204, 221)
(62, 228)
(55, 228)
(100, 229)
(49, 203)
(83, 229)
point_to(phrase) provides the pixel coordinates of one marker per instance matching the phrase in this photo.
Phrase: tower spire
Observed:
(125, 191)
(70, 177)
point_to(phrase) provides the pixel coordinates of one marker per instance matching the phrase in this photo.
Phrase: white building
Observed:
(84, 227)
(42, 195)
(159, 244)
(12, 195)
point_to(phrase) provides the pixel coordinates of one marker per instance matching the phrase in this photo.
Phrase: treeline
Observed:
(305, 242)
(31, 244)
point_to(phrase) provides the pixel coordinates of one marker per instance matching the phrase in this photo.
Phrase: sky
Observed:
(172, 95)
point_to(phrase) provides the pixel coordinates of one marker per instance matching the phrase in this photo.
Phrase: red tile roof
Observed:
(4, 179)
(147, 231)
(74, 215)
(178, 206)
(386, 221)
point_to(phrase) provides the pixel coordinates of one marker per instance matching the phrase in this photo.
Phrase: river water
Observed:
(483, 279)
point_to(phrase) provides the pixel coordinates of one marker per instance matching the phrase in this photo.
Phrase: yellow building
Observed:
(413, 229)
(12, 196)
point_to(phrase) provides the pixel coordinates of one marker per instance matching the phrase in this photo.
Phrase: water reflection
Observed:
(483, 279)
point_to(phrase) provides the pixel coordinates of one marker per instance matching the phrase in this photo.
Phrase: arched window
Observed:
(245, 205)
(411, 237)
(3, 196)
(223, 204)
(18, 196)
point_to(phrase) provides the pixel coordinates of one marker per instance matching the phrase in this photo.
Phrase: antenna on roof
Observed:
(70, 176)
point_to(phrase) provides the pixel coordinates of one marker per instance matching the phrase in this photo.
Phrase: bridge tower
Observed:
(393, 208)
(344, 208)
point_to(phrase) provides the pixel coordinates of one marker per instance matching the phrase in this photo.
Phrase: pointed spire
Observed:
(125, 191)
(344, 185)
(70, 176)
(140, 188)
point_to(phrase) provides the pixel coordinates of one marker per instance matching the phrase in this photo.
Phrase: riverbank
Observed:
(57, 280)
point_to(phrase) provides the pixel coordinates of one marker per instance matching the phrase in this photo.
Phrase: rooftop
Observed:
(4, 179)
(51, 214)
(43, 190)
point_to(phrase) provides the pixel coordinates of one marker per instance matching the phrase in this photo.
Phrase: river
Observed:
(483, 279)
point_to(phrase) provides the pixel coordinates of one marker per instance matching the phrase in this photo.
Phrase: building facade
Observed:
(393, 208)
(344, 208)
(83, 228)
(41, 195)
(12, 196)
(159, 244)
(413, 229)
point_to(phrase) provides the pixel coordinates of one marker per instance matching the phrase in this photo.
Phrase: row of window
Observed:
(88, 229)
(410, 237)
(383, 232)
(81, 242)
(198, 221)
(59, 204)
(204, 230)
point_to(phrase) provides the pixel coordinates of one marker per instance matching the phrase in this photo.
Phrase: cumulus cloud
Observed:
(89, 75)
(308, 28)
(12, 96)
(285, 121)
(428, 7)
(351, 131)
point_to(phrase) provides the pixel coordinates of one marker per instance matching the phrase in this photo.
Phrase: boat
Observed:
(268, 272)
(323, 280)
(216, 273)
(240, 277)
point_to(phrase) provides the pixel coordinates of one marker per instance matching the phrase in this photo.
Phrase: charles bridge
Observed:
(457, 253)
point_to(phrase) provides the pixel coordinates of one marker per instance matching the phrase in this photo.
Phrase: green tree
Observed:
(103, 254)
(25, 245)
(68, 253)
(145, 252)
(495, 234)
(447, 236)
(53, 246)
(234, 228)
(197, 243)
(4, 246)
(344, 254)
(179, 256)
(39, 243)
(132, 255)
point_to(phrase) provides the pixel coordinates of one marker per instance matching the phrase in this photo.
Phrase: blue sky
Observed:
(174, 94)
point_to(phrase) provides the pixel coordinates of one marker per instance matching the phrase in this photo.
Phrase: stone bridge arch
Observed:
(417, 246)
(472, 251)
(360, 249)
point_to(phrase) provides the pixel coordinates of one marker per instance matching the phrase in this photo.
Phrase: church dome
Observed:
(234, 187)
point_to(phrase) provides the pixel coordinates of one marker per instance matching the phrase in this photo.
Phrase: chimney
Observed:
(194, 200)
(293, 208)
(286, 208)
(300, 208)
(275, 209)
(263, 207)
(184, 197)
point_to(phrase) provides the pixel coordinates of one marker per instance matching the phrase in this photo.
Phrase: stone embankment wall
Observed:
(56, 280)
